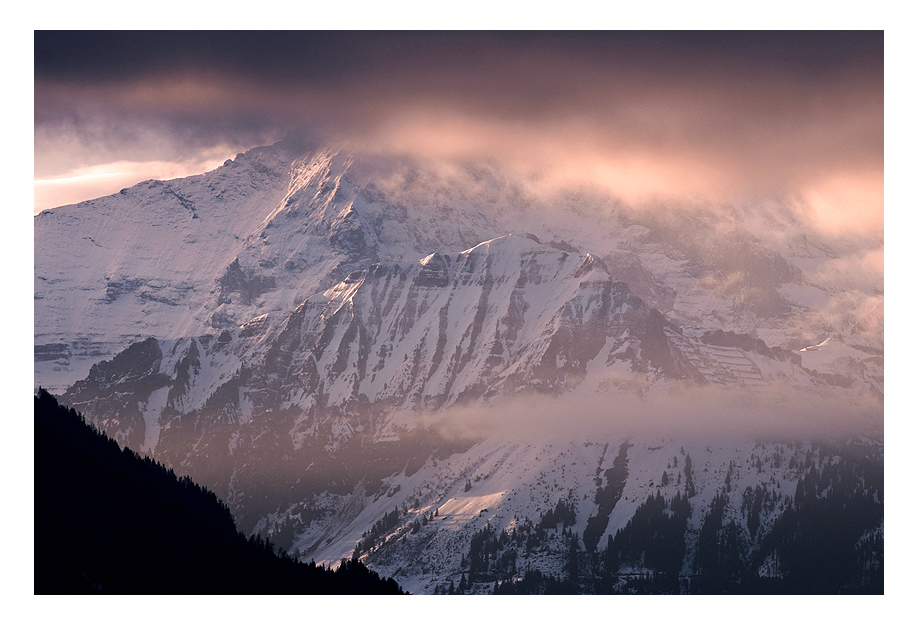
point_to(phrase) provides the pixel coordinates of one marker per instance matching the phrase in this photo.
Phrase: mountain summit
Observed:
(360, 355)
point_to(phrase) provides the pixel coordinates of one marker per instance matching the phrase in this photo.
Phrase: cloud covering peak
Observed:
(721, 116)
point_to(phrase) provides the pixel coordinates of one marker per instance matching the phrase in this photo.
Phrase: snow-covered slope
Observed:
(299, 420)
(509, 315)
(346, 349)
(512, 493)
(187, 256)
(278, 224)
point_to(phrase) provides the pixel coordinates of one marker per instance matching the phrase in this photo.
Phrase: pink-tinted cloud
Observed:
(690, 412)
(647, 116)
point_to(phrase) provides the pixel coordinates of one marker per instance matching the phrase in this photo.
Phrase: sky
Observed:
(724, 116)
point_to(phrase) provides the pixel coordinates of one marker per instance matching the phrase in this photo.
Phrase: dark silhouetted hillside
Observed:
(108, 520)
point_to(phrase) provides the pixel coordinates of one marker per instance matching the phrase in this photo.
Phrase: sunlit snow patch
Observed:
(461, 509)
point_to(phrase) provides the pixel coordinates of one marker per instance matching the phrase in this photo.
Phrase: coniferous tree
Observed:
(93, 497)
(573, 558)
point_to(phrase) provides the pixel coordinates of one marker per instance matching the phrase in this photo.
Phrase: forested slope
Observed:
(110, 521)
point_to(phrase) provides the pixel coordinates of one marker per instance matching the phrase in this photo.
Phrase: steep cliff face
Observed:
(188, 256)
(330, 399)
(505, 316)
(278, 224)
(509, 315)
(360, 360)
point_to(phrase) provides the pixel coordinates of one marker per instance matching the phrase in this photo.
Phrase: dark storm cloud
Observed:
(521, 75)
(692, 112)
(331, 57)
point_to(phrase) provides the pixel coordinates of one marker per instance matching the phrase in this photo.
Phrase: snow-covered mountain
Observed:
(278, 224)
(183, 257)
(362, 356)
